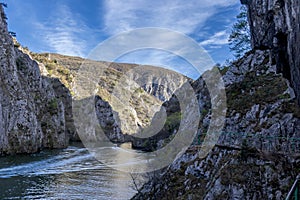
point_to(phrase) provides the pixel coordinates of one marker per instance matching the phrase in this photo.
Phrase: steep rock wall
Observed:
(275, 25)
(31, 114)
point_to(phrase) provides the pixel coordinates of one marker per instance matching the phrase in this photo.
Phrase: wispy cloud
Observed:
(173, 14)
(64, 32)
(66, 28)
(217, 39)
(186, 17)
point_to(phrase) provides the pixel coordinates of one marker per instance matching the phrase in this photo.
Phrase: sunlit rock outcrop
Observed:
(32, 114)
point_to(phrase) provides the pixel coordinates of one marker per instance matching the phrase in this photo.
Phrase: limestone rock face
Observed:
(223, 174)
(31, 114)
(63, 94)
(106, 117)
(256, 154)
(274, 25)
(261, 107)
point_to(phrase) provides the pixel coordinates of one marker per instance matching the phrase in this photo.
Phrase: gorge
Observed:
(256, 155)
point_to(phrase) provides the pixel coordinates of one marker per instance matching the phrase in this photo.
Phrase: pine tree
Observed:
(239, 39)
(3, 4)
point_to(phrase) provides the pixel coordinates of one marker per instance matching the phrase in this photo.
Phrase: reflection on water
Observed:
(71, 173)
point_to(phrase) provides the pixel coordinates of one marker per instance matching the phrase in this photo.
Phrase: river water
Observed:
(71, 173)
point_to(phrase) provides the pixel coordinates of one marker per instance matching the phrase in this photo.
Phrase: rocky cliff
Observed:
(224, 174)
(275, 25)
(32, 112)
(256, 156)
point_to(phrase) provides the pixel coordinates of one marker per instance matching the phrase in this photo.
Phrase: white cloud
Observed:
(173, 14)
(219, 38)
(63, 32)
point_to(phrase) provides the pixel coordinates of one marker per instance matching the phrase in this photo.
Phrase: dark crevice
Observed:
(281, 55)
(280, 3)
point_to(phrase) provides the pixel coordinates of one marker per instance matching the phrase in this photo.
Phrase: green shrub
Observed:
(17, 45)
(50, 66)
(254, 89)
(53, 106)
(173, 121)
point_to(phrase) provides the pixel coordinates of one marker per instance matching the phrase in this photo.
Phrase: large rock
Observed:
(274, 25)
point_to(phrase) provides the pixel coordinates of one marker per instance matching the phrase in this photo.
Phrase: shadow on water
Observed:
(71, 173)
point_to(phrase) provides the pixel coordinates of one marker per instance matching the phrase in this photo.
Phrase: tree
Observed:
(12, 34)
(4, 4)
(149, 180)
(240, 39)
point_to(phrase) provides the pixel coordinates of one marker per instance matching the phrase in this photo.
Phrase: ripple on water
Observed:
(72, 173)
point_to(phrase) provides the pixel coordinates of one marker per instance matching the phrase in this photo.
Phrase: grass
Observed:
(55, 69)
(263, 90)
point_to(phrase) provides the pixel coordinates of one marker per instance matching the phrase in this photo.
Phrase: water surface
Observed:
(71, 173)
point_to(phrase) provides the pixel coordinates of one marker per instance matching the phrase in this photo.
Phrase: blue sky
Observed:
(75, 27)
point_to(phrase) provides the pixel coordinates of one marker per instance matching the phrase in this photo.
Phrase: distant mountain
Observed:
(128, 94)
